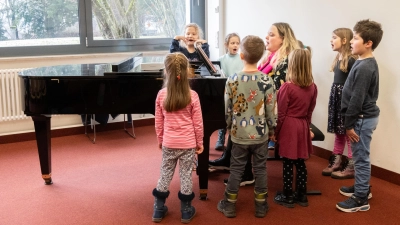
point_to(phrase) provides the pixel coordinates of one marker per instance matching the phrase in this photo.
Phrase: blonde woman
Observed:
(279, 42)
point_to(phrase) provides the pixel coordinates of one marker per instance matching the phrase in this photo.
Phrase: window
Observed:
(55, 27)
(38, 23)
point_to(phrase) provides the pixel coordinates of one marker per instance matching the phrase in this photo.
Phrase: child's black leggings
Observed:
(301, 174)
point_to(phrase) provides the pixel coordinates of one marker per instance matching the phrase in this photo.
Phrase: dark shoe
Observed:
(353, 204)
(347, 171)
(261, 205)
(246, 180)
(285, 198)
(300, 197)
(221, 140)
(227, 208)
(349, 191)
(222, 163)
(160, 209)
(187, 210)
(334, 165)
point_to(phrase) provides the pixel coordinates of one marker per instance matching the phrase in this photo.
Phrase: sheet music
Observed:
(211, 67)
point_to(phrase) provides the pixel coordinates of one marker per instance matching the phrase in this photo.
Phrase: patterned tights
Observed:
(301, 173)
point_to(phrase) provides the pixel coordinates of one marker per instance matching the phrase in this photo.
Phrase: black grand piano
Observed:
(120, 88)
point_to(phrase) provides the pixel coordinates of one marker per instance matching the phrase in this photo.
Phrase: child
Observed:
(230, 64)
(249, 103)
(185, 44)
(341, 67)
(296, 102)
(361, 114)
(179, 129)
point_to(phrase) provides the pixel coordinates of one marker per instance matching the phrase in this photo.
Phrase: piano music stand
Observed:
(210, 66)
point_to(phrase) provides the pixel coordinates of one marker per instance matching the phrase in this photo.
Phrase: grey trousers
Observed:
(238, 161)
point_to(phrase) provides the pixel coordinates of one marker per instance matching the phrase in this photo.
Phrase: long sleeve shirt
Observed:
(192, 56)
(231, 64)
(249, 107)
(182, 129)
(360, 92)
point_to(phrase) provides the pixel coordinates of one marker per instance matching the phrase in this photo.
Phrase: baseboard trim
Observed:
(377, 172)
(29, 136)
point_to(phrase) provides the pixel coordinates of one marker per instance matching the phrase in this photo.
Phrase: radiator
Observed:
(10, 96)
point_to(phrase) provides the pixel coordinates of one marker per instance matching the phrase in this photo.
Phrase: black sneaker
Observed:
(353, 204)
(245, 181)
(349, 191)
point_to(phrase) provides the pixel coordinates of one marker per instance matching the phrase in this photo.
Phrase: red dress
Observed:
(295, 107)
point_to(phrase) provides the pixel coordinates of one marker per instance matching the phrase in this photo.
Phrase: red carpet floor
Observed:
(110, 182)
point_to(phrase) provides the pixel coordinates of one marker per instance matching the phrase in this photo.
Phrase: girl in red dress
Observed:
(296, 101)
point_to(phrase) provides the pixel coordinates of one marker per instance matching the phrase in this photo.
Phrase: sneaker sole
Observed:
(287, 205)
(355, 209)
(342, 177)
(219, 167)
(350, 194)
(244, 183)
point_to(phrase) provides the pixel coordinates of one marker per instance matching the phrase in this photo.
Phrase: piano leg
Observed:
(43, 140)
(202, 168)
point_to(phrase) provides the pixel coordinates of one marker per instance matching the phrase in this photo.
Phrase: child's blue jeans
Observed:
(364, 128)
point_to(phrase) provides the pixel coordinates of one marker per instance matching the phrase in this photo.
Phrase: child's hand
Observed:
(311, 134)
(352, 135)
(199, 149)
(272, 137)
(179, 38)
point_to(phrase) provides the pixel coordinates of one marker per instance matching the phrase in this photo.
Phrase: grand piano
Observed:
(120, 88)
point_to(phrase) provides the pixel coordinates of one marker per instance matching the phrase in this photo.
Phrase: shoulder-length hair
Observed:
(345, 50)
(289, 42)
(176, 81)
(299, 68)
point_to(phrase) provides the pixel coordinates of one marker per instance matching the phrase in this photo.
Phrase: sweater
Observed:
(191, 56)
(360, 92)
(249, 107)
(231, 64)
(182, 129)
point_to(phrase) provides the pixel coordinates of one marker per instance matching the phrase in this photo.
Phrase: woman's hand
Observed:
(312, 134)
(199, 149)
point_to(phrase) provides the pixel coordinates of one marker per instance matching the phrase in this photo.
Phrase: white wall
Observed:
(313, 22)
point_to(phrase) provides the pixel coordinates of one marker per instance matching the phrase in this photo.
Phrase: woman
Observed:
(280, 41)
